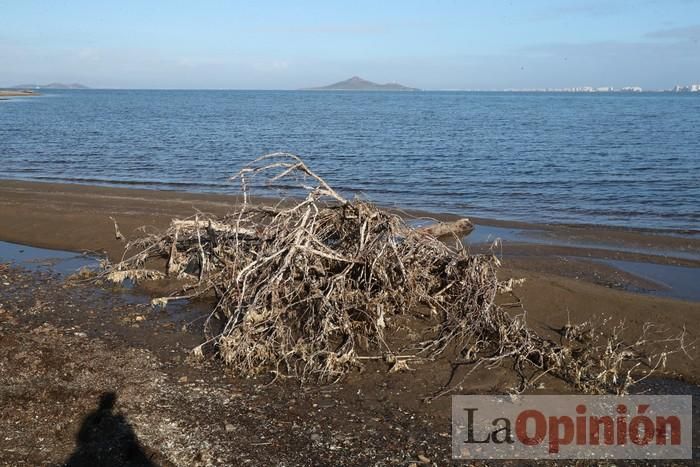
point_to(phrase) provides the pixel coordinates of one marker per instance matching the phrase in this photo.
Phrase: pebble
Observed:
(423, 459)
(230, 428)
(315, 437)
(80, 334)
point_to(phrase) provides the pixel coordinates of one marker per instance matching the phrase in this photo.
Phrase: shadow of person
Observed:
(107, 439)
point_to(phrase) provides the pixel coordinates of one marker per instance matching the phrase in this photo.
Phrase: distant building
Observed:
(631, 89)
(689, 88)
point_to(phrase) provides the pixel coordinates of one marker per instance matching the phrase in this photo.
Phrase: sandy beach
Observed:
(450, 233)
(111, 342)
(77, 218)
(17, 93)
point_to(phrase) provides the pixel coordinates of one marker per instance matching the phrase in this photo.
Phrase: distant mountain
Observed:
(50, 86)
(358, 84)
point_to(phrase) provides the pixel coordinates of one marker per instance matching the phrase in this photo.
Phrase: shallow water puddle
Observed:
(66, 263)
(674, 281)
(679, 282)
(487, 234)
(543, 237)
(32, 258)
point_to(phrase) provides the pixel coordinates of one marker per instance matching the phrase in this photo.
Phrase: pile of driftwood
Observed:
(312, 288)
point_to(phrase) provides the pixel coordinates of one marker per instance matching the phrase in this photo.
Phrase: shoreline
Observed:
(17, 93)
(622, 234)
(113, 341)
(563, 273)
(74, 217)
(174, 187)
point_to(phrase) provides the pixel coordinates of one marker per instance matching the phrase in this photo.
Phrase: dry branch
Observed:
(313, 289)
(459, 228)
(117, 234)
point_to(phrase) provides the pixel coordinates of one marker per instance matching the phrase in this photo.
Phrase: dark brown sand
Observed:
(559, 277)
(61, 348)
(76, 217)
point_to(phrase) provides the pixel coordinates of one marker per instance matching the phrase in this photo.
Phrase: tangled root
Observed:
(312, 289)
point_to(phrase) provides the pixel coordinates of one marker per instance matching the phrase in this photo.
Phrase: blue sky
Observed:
(287, 45)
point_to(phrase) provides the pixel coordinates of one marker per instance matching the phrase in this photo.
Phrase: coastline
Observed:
(642, 198)
(32, 203)
(583, 260)
(76, 218)
(143, 353)
(586, 262)
(17, 93)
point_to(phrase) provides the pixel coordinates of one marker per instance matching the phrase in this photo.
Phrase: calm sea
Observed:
(616, 159)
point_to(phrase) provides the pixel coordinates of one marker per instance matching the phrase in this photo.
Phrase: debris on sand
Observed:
(313, 288)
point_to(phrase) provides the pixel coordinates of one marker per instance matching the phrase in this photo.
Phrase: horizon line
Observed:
(563, 89)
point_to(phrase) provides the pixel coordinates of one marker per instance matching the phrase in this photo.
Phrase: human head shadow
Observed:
(107, 439)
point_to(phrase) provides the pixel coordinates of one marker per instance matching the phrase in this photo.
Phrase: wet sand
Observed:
(562, 276)
(372, 417)
(77, 218)
(64, 346)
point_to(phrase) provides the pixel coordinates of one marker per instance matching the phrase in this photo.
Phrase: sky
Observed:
(436, 44)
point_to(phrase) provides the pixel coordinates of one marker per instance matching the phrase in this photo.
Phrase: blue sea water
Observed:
(614, 159)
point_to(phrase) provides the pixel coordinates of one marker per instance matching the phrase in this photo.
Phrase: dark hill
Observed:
(358, 84)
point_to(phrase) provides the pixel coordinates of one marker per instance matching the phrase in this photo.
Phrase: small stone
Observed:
(423, 459)
(230, 428)
(139, 318)
(183, 379)
(315, 437)
(80, 334)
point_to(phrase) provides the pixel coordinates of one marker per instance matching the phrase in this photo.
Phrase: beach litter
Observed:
(313, 288)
